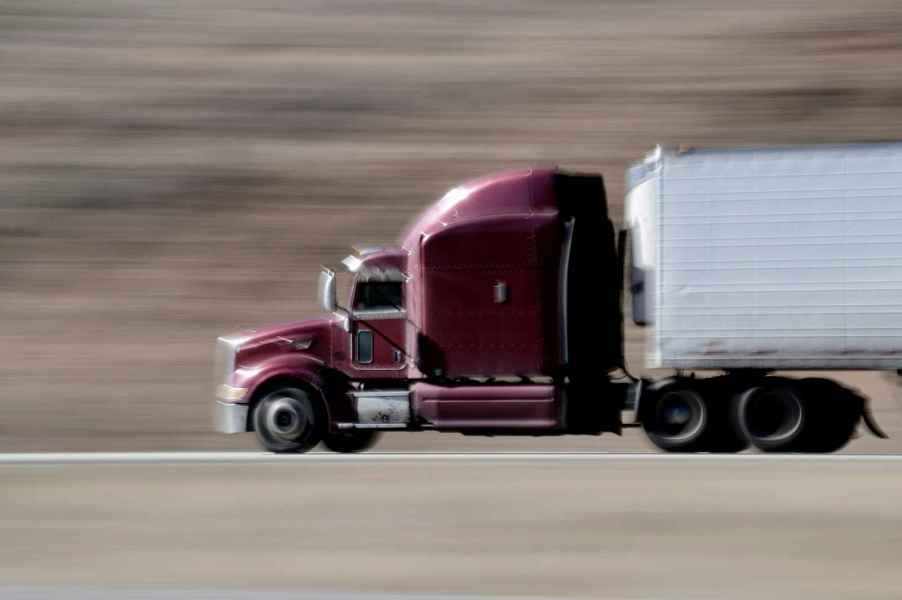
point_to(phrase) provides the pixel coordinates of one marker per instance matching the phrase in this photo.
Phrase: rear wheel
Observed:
(811, 415)
(355, 440)
(771, 417)
(692, 415)
(286, 420)
(676, 418)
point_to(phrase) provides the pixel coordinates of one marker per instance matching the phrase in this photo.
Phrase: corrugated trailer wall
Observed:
(777, 258)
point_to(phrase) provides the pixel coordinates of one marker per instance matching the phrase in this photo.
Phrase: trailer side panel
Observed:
(778, 258)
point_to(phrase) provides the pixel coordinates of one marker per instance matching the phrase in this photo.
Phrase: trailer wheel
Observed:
(772, 417)
(285, 420)
(676, 418)
(355, 440)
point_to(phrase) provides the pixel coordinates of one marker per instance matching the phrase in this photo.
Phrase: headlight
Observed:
(227, 393)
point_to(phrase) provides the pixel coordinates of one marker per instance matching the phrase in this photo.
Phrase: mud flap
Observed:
(868, 418)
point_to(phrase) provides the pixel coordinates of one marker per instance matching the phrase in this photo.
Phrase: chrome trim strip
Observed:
(367, 250)
(381, 394)
(344, 321)
(371, 425)
(378, 314)
(326, 290)
(351, 263)
(376, 273)
(564, 276)
(230, 418)
(368, 367)
(500, 292)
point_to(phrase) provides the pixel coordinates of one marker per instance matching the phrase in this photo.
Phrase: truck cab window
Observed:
(378, 295)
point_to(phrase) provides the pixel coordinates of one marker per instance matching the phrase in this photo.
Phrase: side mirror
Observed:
(327, 293)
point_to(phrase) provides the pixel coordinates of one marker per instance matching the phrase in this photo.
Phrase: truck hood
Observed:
(311, 337)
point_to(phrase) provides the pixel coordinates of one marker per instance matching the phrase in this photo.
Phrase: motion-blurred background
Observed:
(175, 170)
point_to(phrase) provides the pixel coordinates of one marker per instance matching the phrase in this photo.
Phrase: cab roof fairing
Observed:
(510, 192)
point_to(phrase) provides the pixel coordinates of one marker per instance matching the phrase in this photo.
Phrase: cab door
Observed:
(378, 327)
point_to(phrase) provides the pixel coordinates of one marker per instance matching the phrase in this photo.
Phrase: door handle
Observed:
(499, 292)
(397, 356)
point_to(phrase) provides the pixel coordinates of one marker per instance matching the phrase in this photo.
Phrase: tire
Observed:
(287, 420)
(772, 417)
(811, 415)
(355, 440)
(676, 418)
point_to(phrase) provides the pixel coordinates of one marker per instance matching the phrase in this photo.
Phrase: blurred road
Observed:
(201, 458)
(158, 593)
(606, 527)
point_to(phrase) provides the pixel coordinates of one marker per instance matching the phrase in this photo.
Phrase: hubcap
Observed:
(286, 418)
(773, 414)
(677, 415)
(680, 415)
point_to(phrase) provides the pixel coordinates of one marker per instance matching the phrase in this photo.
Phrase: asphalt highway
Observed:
(548, 525)
(157, 593)
(237, 457)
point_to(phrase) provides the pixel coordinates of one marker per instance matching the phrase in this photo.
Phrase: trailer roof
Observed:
(662, 154)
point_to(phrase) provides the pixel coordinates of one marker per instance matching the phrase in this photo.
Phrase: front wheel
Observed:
(355, 440)
(286, 420)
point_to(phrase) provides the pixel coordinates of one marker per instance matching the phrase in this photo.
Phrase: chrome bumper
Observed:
(231, 418)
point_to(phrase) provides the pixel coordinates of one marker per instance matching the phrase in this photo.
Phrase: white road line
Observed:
(65, 458)
(25, 592)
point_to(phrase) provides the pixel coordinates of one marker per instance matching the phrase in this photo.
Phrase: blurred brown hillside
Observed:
(174, 170)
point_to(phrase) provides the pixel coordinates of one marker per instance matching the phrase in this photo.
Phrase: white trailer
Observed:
(758, 260)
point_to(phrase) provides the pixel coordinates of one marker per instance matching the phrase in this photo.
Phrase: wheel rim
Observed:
(679, 416)
(773, 415)
(286, 418)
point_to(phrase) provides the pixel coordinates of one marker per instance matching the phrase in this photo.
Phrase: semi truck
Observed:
(501, 311)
